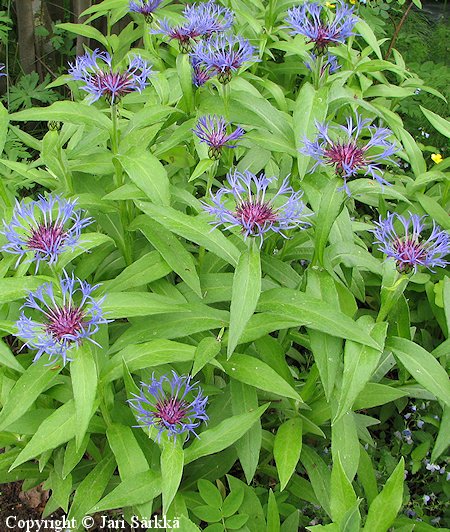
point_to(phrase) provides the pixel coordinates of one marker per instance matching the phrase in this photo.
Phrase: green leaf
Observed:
(319, 475)
(127, 451)
(363, 29)
(443, 437)
(127, 305)
(73, 454)
(13, 288)
(311, 105)
(92, 487)
(83, 372)
(146, 172)
(313, 313)
(432, 207)
(222, 435)
(140, 488)
(255, 372)
(330, 206)
(366, 475)
(58, 428)
(171, 250)
(172, 462)
(194, 229)
(422, 366)
(360, 361)
(147, 269)
(37, 378)
(85, 31)
(384, 508)
(273, 515)
(8, 359)
(207, 349)
(345, 444)
(233, 502)
(343, 496)
(184, 71)
(244, 398)
(72, 112)
(209, 493)
(147, 355)
(287, 448)
(439, 123)
(245, 294)
(202, 166)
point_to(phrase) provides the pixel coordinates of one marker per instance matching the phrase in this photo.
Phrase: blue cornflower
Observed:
(46, 227)
(68, 320)
(178, 411)
(2, 67)
(409, 249)
(212, 130)
(145, 7)
(103, 80)
(351, 155)
(329, 64)
(253, 212)
(223, 54)
(200, 74)
(202, 20)
(313, 21)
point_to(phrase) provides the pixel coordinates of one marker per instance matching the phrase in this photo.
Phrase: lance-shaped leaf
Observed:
(244, 295)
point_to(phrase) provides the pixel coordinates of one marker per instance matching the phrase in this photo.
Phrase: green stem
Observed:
(226, 99)
(317, 72)
(211, 174)
(126, 207)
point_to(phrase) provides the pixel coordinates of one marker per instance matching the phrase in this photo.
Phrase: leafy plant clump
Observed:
(225, 300)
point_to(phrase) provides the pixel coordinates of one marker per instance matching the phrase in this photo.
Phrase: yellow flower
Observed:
(330, 5)
(436, 158)
(353, 2)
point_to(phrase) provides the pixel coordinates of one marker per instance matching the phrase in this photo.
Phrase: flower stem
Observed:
(317, 72)
(397, 30)
(125, 206)
(226, 99)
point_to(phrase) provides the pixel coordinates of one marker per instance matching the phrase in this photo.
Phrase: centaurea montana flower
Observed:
(212, 130)
(255, 213)
(68, 321)
(200, 73)
(46, 227)
(409, 248)
(224, 54)
(350, 154)
(329, 64)
(145, 8)
(103, 80)
(321, 26)
(177, 411)
(202, 20)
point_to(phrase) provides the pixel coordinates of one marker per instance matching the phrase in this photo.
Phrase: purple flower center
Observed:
(346, 156)
(254, 214)
(410, 252)
(114, 85)
(323, 38)
(65, 321)
(171, 411)
(46, 237)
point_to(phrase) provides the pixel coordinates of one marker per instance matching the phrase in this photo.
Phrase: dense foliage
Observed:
(223, 284)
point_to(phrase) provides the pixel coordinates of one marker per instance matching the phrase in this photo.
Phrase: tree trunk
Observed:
(25, 28)
(78, 7)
